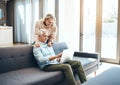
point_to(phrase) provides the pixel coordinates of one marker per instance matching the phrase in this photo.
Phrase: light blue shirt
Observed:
(42, 55)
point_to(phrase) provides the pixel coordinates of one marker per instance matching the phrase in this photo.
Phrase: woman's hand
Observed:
(37, 44)
(49, 44)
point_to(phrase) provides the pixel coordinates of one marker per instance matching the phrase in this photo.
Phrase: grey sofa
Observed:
(18, 67)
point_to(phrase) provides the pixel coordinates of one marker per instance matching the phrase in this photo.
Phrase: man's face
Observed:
(43, 37)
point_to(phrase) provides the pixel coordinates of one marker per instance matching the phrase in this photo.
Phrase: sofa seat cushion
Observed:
(86, 62)
(30, 76)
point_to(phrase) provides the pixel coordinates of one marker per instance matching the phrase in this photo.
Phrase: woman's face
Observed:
(49, 22)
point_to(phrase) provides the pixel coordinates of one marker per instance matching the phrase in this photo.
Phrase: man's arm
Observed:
(39, 56)
(56, 56)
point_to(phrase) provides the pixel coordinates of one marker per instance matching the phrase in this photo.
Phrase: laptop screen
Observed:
(67, 55)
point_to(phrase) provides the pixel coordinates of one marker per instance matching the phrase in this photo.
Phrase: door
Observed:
(99, 28)
(109, 30)
(88, 30)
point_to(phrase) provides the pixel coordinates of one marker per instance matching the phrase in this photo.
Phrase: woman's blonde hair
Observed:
(50, 16)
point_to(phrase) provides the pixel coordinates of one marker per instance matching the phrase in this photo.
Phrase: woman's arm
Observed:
(52, 36)
(38, 26)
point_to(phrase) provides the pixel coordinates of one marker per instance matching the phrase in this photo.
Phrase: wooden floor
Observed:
(105, 66)
(10, 45)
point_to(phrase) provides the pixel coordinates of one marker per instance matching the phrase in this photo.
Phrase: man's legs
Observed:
(66, 68)
(76, 65)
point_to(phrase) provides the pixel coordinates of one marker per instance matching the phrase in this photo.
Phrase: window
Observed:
(49, 7)
(69, 15)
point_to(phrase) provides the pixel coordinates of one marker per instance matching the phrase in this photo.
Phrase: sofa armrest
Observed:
(86, 54)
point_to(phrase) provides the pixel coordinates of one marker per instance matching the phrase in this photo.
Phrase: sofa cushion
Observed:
(18, 57)
(59, 47)
(86, 62)
(30, 76)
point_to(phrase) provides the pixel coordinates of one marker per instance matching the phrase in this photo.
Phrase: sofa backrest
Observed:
(13, 58)
(59, 47)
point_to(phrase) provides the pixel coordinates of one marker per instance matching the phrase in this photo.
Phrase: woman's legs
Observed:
(66, 68)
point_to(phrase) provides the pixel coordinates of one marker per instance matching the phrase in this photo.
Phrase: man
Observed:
(48, 61)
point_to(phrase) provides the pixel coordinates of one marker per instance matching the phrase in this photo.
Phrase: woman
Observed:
(48, 23)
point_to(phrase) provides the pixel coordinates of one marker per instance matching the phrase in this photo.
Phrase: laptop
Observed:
(67, 55)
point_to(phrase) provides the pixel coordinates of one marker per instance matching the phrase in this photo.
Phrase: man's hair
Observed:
(42, 31)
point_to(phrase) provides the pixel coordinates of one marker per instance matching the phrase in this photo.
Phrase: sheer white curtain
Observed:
(69, 15)
(25, 14)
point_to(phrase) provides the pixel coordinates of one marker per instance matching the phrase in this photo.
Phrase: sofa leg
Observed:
(95, 73)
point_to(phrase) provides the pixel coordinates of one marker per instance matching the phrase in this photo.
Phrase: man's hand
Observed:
(58, 56)
(58, 59)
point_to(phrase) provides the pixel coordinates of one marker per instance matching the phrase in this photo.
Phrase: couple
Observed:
(48, 61)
